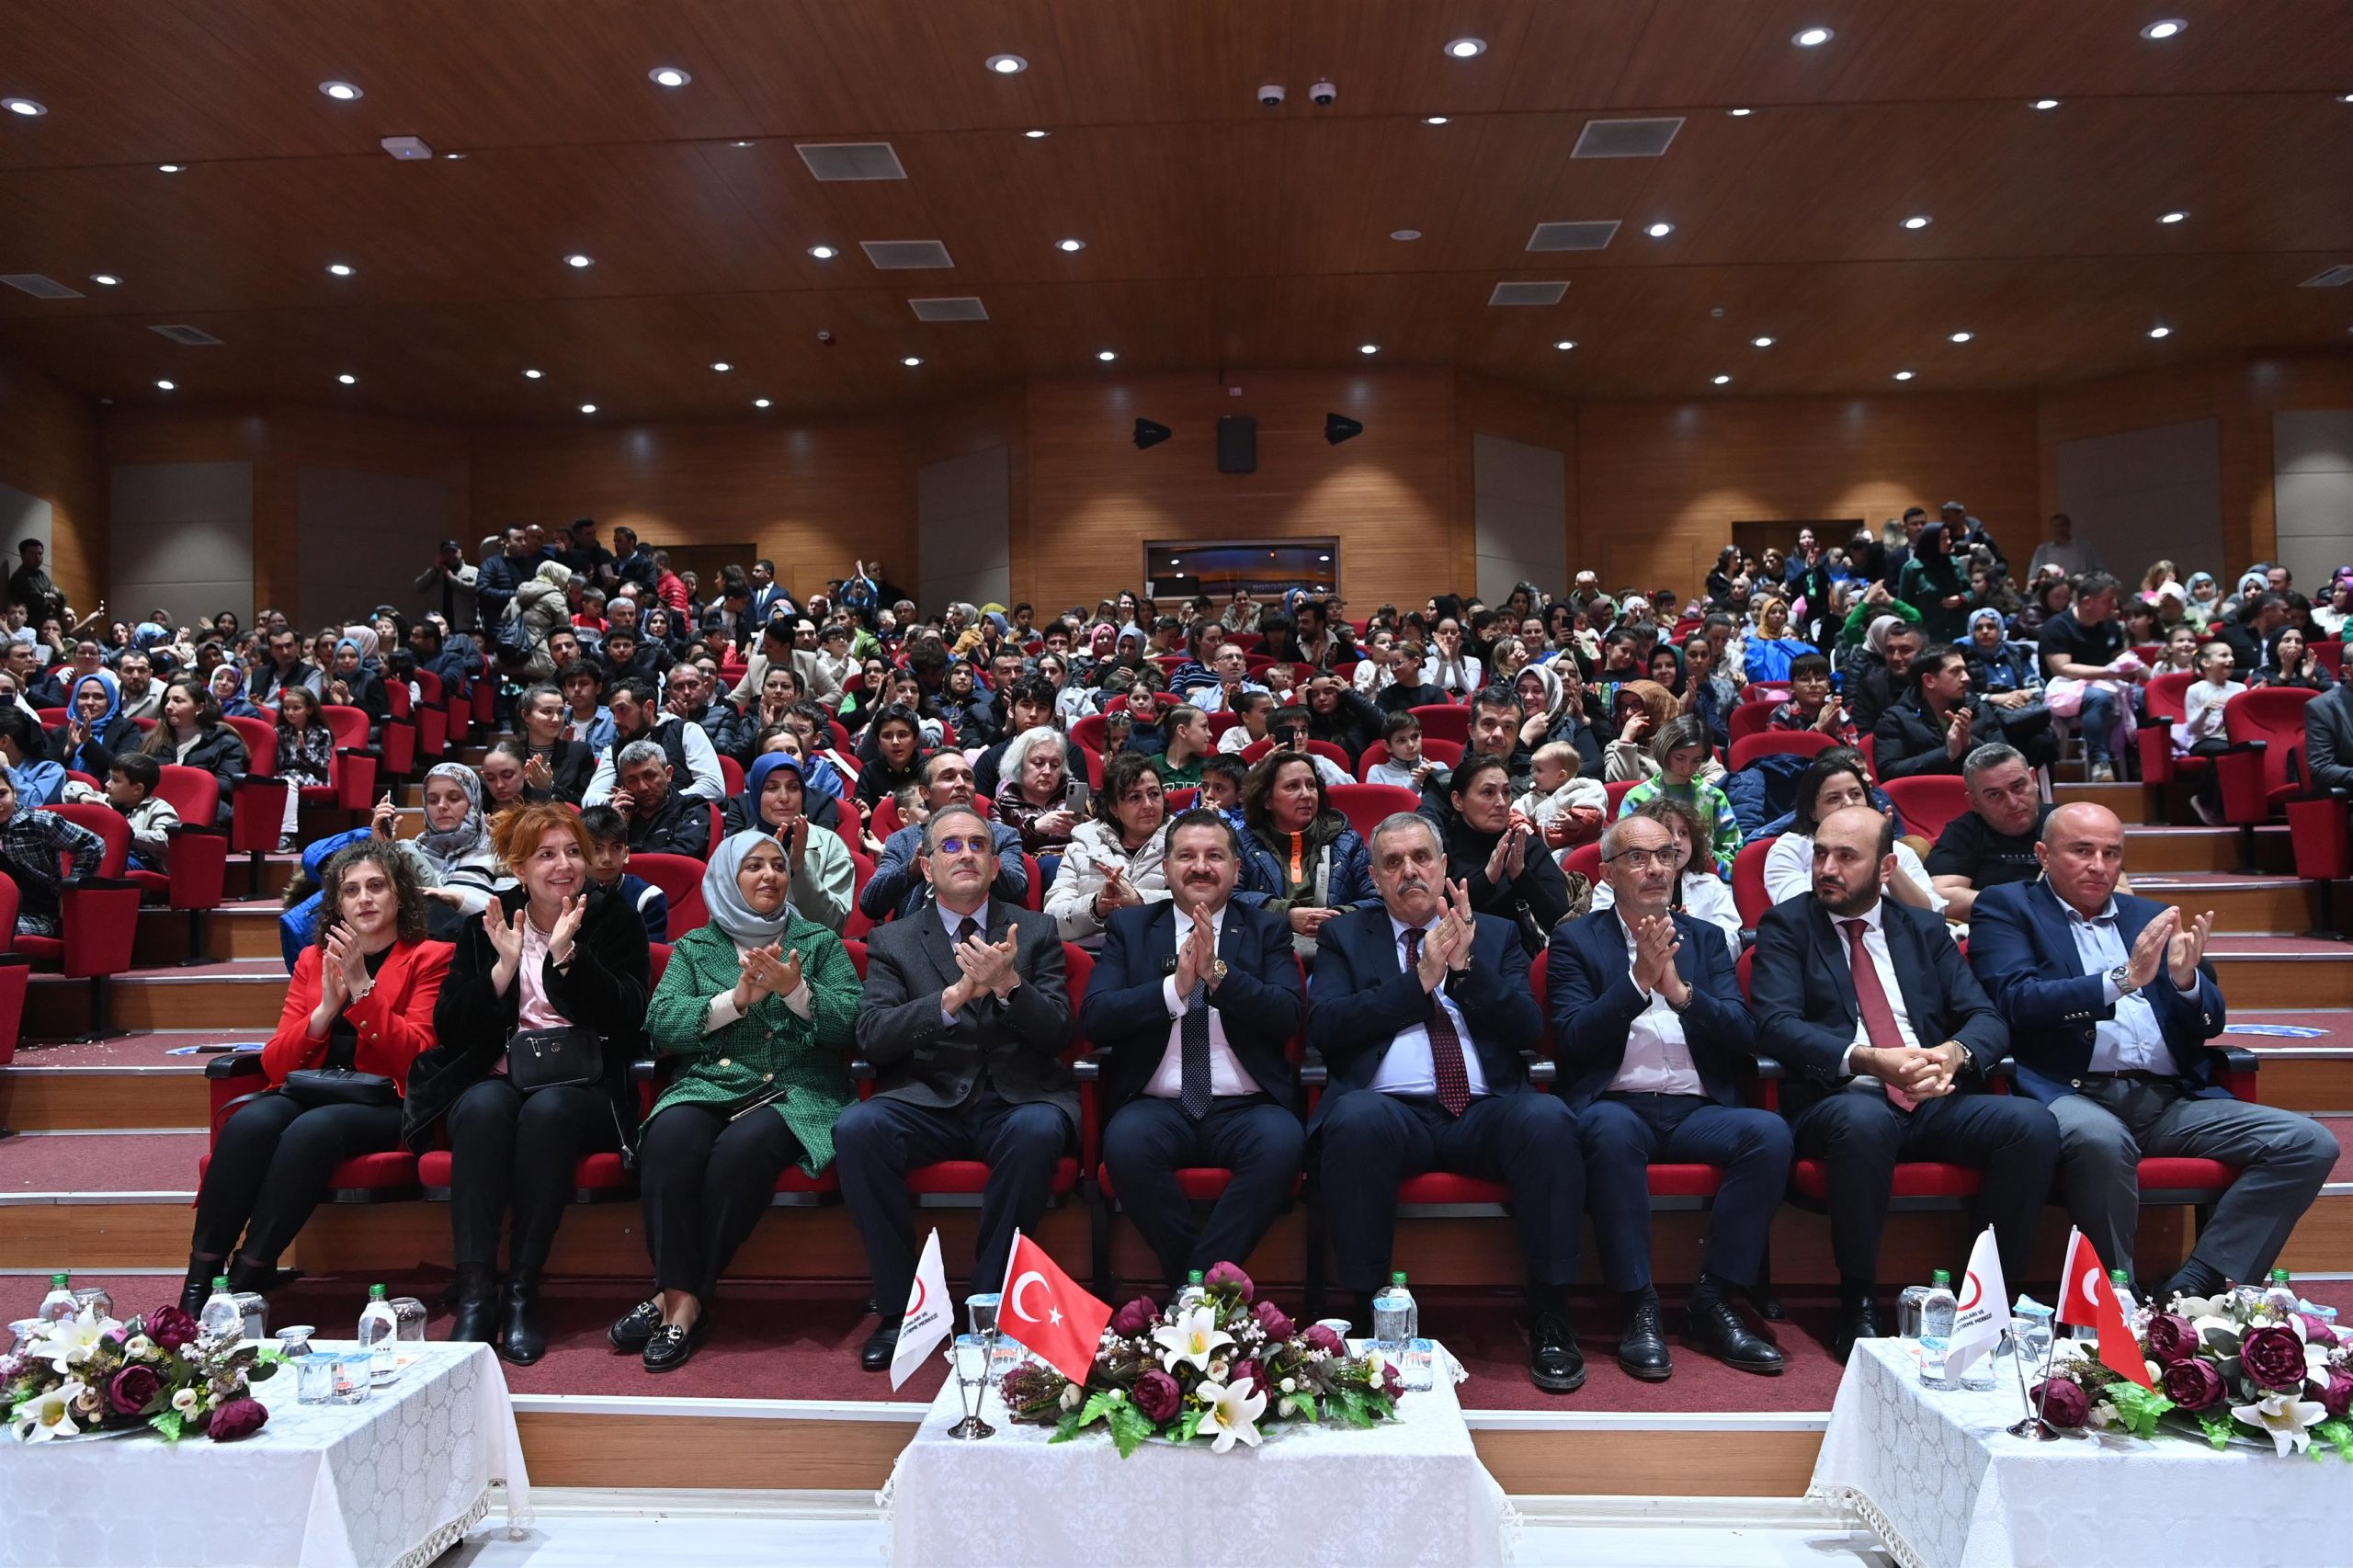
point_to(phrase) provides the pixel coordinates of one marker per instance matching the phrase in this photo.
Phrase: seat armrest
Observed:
(2238, 1073)
(235, 1065)
(642, 1070)
(98, 884)
(861, 1069)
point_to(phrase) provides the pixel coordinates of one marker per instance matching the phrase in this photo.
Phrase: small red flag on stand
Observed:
(1047, 1312)
(2085, 1297)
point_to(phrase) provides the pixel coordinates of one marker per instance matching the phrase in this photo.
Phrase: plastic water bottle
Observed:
(380, 1332)
(59, 1305)
(1193, 1294)
(1936, 1309)
(2122, 1283)
(2282, 1293)
(223, 1318)
(1394, 1319)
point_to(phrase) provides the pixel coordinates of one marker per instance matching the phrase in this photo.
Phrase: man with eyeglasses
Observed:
(1652, 1033)
(966, 1019)
(898, 888)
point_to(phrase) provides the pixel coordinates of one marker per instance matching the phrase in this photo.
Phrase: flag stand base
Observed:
(2034, 1429)
(972, 1428)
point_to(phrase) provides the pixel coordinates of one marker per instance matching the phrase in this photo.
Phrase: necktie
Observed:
(1193, 1056)
(1878, 1019)
(1445, 1046)
(966, 930)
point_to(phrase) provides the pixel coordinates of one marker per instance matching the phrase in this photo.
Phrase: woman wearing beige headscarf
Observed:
(1644, 708)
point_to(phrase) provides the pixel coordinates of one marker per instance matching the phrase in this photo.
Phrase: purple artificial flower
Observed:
(2317, 1331)
(1271, 1319)
(2065, 1404)
(170, 1328)
(238, 1419)
(133, 1389)
(1391, 1383)
(2194, 1385)
(2337, 1396)
(2170, 1338)
(1225, 1274)
(1158, 1397)
(1136, 1317)
(1252, 1374)
(1323, 1339)
(2273, 1358)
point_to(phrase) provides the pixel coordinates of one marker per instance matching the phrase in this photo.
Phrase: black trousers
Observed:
(508, 1148)
(270, 1168)
(1370, 1142)
(703, 1183)
(1622, 1134)
(878, 1141)
(1863, 1137)
(2209, 783)
(1250, 1135)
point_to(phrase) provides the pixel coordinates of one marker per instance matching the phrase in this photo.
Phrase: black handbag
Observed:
(310, 1087)
(554, 1059)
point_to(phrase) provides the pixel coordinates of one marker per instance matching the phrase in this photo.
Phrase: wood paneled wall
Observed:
(48, 448)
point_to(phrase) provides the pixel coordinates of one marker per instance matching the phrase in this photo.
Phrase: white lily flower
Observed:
(47, 1415)
(1232, 1411)
(2286, 1417)
(69, 1343)
(1194, 1336)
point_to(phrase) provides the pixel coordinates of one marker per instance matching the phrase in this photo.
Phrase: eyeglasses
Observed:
(1663, 859)
(957, 845)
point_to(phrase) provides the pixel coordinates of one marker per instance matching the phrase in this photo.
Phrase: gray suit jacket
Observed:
(1019, 1043)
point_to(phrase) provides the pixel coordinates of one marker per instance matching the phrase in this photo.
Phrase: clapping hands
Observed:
(1447, 946)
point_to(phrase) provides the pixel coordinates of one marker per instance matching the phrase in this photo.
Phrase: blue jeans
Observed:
(2096, 723)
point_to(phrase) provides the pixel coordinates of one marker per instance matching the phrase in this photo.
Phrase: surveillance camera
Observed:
(1321, 94)
(1271, 94)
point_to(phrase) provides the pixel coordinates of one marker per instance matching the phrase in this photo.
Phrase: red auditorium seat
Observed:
(257, 801)
(1919, 1184)
(1927, 801)
(16, 972)
(2161, 709)
(1584, 860)
(680, 879)
(730, 774)
(1617, 793)
(1770, 743)
(1445, 722)
(1257, 750)
(1748, 718)
(1748, 893)
(1447, 753)
(1364, 804)
(351, 776)
(196, 854)
(884, 820)
(98, 918)
(1088, 732)
(2264, 767)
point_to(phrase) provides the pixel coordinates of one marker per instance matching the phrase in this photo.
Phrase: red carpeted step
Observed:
(90, 1162)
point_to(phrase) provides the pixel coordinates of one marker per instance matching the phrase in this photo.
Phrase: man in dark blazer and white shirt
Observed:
(1197, 998)
(1890, 1065)
(2110, 1007)
(1651, 1034)
(1421, 1008)
(966, 1020)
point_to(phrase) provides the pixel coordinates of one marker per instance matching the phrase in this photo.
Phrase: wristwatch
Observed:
(2121, 977)
(1217, 969)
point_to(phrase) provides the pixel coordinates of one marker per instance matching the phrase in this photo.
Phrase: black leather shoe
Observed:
(477, 1304)
(244, 1276)
(634, 1329)
(876, 1353)
(672, 1346)
(1641, 1348)
(524, 1340)
(1768, 1304)
(1716, 1326)
(1554, 1363)
(197, 1288)
(1860, 1321)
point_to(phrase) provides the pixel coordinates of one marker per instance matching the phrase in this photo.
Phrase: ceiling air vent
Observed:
(187, 337)
(1592, 235)
(1527, 293)
(1626, 137)
(2337, 277)
(39, 288)
(852, 160)
(901, 255)
(967, 308)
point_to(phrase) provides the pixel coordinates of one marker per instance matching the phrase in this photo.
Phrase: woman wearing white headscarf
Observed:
(757, 1009)
(456, 846)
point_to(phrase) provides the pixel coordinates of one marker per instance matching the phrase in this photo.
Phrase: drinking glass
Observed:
(410, 1314)
(96, 1296)
(314, 1378)
(2031, 1337)
(353, 1375)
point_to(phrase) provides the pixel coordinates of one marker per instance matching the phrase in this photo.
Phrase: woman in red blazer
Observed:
(362, 998)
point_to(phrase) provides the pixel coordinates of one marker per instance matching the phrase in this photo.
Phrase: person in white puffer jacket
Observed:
(1114, 858)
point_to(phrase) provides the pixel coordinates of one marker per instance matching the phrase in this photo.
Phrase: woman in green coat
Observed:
(757, 1009)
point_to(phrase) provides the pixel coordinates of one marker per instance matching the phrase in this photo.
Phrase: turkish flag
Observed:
(1045, 1311)
(2085, 1297)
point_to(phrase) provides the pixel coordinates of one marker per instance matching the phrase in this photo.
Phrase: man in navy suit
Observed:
(1197, 998)
(1652, 1033)
(2110, 1007)
(1421, 1010)
(1887, 1039)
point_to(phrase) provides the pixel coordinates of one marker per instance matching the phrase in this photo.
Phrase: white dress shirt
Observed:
(1706, 897)
(1658, 1057)
(1874, 944)
(2132, 1041)
(1407, 1067)
(1226, 1074)
(1788, 870)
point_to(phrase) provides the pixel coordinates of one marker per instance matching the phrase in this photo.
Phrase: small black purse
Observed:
(310, 1087)
(554, 1059)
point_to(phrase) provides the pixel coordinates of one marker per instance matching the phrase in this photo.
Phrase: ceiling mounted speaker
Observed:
(1150, 433)
(1339, 427)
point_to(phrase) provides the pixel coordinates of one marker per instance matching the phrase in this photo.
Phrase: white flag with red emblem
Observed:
(1980, 1308)
(930, 1316)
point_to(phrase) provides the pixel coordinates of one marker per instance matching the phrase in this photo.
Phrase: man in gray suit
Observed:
(966, 1020)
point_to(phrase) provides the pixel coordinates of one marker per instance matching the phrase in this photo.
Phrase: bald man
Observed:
(2111, 1005)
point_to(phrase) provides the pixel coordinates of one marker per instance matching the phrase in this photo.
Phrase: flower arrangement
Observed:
(2244, 1364)
(88, 1373)
(1215, 1368)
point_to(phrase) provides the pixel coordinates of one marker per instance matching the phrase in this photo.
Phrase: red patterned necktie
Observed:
(1871, 996)
(1445, 1046)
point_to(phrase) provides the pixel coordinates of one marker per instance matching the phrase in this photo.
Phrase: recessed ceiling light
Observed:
(1724, 380)
(1903, 375)
(1811, 38)
(743, 144)
(347, 378)
(1467, 48)
(1740, 113)
(339, 268)
(577, 259)
(1069, 245)
(341, 92)
(30, 108)
(1405, 234)
(1760, 343)
(2173, 218)
(1565, 345)
(1918, 221)
(759, 403)
(1961, 337)
(1007, 64)
(163, 386)
(824, 253)
(722, 366)
(2345, 97)
(1659, 231)
(587, 408)
(912, 360)
(105, 279)
(167, 168)
(1435, 118)
(2046, 103)
(534, 375)
(1106, 355)
(1037, 135)
(1368, 347)
(454, 157)
(2172, 27)
(2161, 331)
(668, 77)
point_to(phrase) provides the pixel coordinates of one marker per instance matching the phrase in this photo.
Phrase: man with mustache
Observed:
(1196, 999)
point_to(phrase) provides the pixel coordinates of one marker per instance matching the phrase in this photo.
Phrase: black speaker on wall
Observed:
(1238, 443)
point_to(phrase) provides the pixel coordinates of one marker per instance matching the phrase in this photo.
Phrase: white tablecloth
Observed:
(390, 1483)
(1944, 1486)
(1407, 1492)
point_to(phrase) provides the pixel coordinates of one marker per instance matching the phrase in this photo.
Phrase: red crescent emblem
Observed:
(916, 1305)
(1977, 1291)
